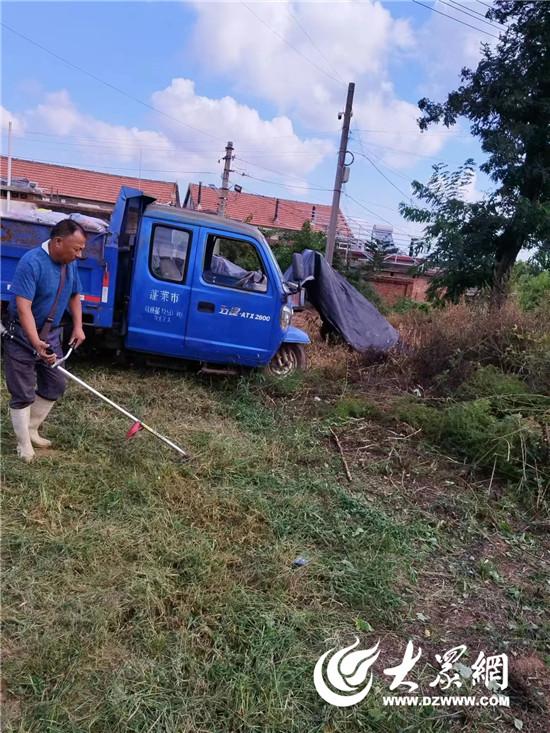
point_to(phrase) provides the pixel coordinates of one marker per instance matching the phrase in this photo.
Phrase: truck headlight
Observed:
(286, 316)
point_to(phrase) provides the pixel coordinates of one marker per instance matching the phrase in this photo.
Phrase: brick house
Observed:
(66, 188)
(266, 212)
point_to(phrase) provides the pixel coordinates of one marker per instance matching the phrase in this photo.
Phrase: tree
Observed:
(540, 261)
(379, 250)
(290, 242)
(507, 100)
(531, 284)
(459, 235)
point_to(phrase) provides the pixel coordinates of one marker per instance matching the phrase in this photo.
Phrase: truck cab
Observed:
(179, 283)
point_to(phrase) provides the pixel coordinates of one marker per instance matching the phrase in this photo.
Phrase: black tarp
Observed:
(343, 309)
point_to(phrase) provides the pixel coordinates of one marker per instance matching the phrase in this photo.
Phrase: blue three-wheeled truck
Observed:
(171, 282)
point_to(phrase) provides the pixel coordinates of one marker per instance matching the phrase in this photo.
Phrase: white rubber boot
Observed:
(40, 409)
(20, 421)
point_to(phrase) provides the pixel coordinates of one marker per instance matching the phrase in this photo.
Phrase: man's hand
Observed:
(77, 337)
(42, 348)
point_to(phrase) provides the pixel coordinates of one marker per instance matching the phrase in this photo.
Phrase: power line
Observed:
(92, 167)
(386, 221)
(90, 143)
(304, 31)
(411, 132)
(285, 185)
(472, 10)
(401, 151)
(460, 9)
(306, 188)
(321, 219)
(271, 170)
(106, 83)
(446, 15)
(395, 150)
(406, 195)
(199, 151)
(108, 146)
(283, 39)
(407, 179)
(384, 165)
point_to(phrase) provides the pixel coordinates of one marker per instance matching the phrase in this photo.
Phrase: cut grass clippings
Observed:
(143, 593)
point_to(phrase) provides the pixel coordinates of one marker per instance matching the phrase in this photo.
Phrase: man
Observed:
(45, 284)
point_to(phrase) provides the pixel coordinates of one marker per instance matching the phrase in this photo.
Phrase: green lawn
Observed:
(144, 593)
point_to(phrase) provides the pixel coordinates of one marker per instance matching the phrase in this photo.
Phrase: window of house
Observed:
(234, 263)
(169, 249)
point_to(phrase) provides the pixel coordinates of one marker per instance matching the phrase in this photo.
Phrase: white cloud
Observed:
(446, 46)
(234, 121)
(294, 54)
(17, 122)
(299, 56)
(172, 150)
(393, 128)
(470, 192)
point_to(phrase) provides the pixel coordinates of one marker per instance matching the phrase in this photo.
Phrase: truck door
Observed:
(160, 290)
(234, 302)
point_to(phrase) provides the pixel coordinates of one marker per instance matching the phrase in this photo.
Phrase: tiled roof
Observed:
(260, 210)
(85, 184)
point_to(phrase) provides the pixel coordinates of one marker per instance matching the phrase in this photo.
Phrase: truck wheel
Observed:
(287, 360)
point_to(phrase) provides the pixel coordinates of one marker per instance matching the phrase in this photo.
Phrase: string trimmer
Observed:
(137, 423)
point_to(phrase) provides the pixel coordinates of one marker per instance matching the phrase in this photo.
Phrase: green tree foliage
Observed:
(531, 285)
(290, 242)
(507, 100)
(379, 250)
(540, 261)
(458, 235)
(359, 274)
(308, 238)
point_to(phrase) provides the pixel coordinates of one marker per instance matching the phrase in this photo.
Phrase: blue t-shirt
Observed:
(36, 278)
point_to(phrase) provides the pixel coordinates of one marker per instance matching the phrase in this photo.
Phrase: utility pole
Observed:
(331, 232)
(139, 184)
(225, 178)
(8, 192)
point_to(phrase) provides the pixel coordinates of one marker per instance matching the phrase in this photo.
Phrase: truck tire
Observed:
(289, 359)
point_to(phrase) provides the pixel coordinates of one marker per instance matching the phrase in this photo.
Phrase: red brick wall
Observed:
(391, 287)
(420, 286)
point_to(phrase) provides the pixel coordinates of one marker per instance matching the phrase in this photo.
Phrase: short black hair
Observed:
(66, 227)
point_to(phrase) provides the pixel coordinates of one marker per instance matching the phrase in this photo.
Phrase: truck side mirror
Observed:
(297, 267)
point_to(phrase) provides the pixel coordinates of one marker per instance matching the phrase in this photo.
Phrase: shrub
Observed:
(405, 305)
(489, 381)
(533, 290)
(445, 347)
(507, 444)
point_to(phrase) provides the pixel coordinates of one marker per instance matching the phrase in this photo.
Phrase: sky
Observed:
(158, 88)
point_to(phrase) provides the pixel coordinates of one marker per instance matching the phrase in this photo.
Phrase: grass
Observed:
(143, 593)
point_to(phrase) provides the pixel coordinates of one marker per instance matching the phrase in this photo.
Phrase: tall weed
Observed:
(445, 347)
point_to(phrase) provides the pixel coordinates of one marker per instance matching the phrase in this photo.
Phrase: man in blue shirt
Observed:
(44, 286)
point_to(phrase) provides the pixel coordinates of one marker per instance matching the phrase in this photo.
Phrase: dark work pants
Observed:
(28, 375)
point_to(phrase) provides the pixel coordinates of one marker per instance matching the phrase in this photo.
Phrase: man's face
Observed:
(69, 248)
